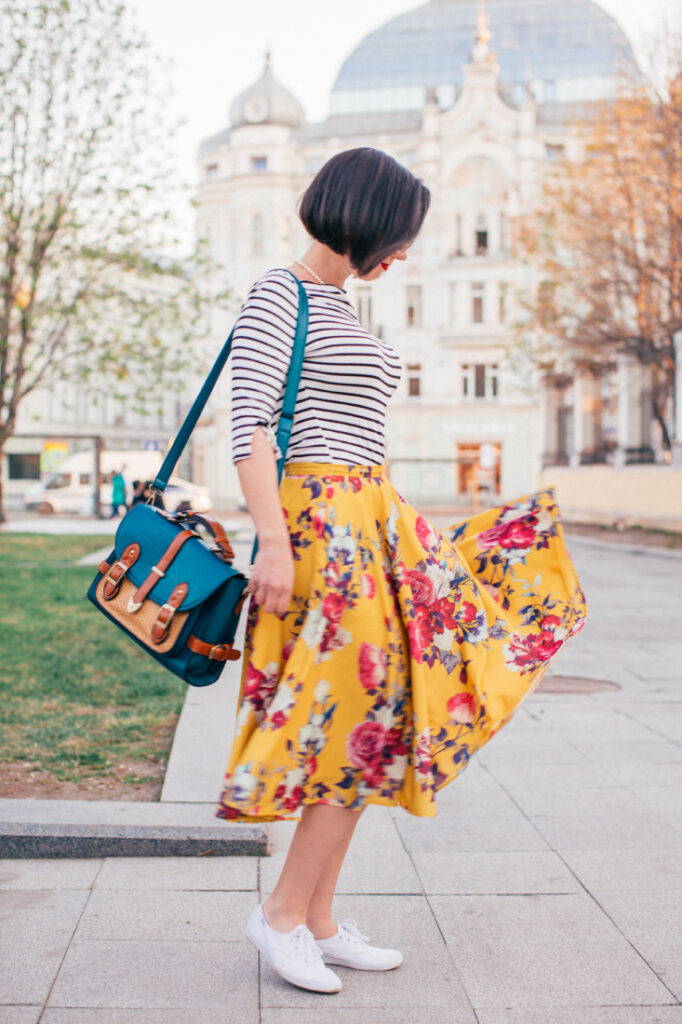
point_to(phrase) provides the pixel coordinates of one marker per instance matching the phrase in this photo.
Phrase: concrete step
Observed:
(103, 828)
(20, 841)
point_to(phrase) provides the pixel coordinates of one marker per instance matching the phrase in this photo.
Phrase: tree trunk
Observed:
(3, 517)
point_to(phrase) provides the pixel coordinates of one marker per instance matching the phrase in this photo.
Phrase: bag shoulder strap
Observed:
(290, 393)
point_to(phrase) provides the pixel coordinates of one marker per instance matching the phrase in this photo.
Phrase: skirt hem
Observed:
(380, 801)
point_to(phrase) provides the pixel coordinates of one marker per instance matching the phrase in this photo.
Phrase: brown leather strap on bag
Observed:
(158, 571)
(223, 548)
(215, 652)
(113, 574)
(161, 627)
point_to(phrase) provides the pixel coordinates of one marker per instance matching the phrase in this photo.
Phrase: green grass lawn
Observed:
(79, 700)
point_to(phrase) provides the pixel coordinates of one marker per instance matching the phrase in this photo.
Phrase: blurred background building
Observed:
(481, 102)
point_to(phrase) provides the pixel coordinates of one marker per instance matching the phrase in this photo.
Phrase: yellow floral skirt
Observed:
(404, 648)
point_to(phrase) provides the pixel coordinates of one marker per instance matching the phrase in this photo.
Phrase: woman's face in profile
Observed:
(381, 268)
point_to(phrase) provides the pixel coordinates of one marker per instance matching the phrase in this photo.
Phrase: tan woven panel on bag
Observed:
(140, 623)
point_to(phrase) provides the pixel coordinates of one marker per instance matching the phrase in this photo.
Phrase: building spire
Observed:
(481, 50)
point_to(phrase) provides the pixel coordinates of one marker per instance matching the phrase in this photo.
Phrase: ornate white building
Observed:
(428, 88)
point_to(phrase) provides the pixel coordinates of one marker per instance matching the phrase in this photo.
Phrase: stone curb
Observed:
(629, 549)
(21, 841)
(103, 828)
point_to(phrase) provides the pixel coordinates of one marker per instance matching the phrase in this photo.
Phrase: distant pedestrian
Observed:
(118, 493)
(138, 492)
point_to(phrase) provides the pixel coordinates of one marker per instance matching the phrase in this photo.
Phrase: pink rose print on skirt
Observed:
(523, 654)
(333, 607)
(259, 686)
(519, 533)
(468, 612)
(462, 708)
(365, 744)
(427, 534)
(290, 801)
(423, 588)
(420, 632)
(319, 521)
(423, 755)
(372, 665)
(369, 587)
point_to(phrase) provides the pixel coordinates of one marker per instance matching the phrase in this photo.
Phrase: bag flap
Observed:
(195, 564)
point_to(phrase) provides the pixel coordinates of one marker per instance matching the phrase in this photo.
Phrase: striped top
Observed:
(348, 375)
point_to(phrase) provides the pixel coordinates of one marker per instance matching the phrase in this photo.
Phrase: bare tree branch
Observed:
(95, 285)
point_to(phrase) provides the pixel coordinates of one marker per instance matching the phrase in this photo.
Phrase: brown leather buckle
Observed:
(114, 574)
(112, 580)
(223, 652)
(162, 624)
(165, 621)
(214, 652)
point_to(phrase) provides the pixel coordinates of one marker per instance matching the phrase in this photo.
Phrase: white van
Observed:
(70, 487)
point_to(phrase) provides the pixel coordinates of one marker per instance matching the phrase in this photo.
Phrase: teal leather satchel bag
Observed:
(170, 583)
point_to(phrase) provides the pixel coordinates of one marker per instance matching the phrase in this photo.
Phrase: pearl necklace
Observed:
(311, 272)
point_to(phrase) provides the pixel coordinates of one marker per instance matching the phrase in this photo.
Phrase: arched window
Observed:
(479, 184)
(481, 241)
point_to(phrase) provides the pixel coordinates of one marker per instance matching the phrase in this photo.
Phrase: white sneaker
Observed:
(294, 955)
(349, 948)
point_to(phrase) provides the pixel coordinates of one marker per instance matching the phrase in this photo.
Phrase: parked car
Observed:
(181, 491)
(69, 489)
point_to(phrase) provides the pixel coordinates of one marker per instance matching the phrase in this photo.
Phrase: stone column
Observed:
(551, 398)
(578, 438)
(544, 417)
(628, 415)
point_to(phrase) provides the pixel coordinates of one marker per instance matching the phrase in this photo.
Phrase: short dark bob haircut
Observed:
(365, 205)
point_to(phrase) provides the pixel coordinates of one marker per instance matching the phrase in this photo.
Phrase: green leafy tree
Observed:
(94, 283)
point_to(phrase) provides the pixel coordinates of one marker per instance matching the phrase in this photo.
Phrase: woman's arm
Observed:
(272, 578)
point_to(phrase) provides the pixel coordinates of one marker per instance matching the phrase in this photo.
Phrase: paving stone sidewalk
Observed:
(547, 891)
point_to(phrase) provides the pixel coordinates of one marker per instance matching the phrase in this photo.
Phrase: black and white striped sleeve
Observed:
(261, 353)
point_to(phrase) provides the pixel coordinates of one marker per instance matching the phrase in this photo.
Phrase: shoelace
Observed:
(305, 945)
(349, 930)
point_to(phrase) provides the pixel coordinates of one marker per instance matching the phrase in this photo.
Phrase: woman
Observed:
(380, 653)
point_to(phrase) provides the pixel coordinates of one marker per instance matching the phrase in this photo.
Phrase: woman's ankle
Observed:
(322, 928)
(280, 917)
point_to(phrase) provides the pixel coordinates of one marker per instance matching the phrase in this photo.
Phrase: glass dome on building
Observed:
(569, 51)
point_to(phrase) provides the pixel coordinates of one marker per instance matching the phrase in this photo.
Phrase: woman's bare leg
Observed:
(311, 868)
(319, 918)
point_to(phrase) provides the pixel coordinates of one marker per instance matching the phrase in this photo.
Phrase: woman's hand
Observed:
(272, 577)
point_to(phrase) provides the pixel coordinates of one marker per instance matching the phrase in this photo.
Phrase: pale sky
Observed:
(217, 48)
